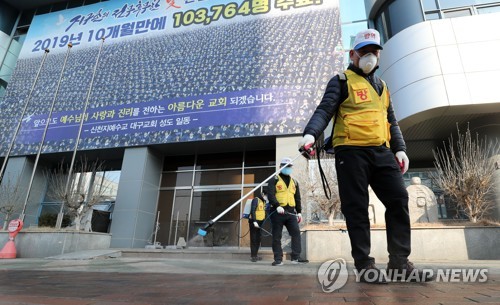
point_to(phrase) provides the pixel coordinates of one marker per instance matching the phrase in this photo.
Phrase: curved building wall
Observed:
(438, 64)
(442, 74)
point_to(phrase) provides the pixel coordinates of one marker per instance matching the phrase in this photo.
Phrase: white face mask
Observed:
(367, 62)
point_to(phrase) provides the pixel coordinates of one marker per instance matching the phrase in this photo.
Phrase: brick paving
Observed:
(165, 281)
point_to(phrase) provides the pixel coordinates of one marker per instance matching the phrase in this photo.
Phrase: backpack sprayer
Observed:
(203, 231)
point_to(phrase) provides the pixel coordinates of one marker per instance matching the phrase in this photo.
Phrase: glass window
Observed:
(431, 16)
(177, 179)
(20, 34)
(58, 6)
(484, 1)
(381, 26)
(260, 158)
(446, 4)
(8, 16)
(75, 3)
(211, 161)
(3, 83)
(488, 9)
(403, 14)
(257, 175)
(429, 5)
(108, 184)
(43, 10)
(218, 177)
(175, 163)
(26, 17)
(457, 13)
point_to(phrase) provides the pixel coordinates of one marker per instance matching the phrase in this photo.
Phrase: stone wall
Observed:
(449, 243)
(45, 244)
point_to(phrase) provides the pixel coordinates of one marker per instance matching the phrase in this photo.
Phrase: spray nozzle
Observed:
(203, 231)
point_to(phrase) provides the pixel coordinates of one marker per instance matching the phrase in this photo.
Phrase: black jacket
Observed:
(335, 93)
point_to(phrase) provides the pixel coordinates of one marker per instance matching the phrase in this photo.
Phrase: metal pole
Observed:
(22, 114)
(157, 227)
(176, 227)
(70, 172)
(22, 215)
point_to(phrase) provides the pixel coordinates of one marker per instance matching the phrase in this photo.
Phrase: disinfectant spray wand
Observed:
(203, 231)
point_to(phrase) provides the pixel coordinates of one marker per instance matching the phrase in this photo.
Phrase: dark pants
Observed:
(255, 238)
(292, 226)
(377, 167)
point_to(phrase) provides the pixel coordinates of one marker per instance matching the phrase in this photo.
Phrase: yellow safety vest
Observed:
(362, 117)
(285, 194)
(260, 212)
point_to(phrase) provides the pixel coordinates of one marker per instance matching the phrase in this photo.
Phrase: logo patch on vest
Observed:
(362, 94)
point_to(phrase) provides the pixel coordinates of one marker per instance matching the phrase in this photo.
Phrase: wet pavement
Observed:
(111, 280)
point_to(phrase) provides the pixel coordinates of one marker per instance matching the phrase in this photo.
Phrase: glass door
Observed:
(208, 204)
(174, 216)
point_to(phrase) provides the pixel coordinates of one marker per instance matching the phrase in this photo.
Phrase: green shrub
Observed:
(49, 220)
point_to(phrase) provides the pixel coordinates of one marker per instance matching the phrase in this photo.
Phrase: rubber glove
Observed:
(403, 161)
(280, 210)
(305, 145)
(299, 218)
(256, 225)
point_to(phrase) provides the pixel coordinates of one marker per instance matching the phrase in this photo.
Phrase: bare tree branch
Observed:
(312, 191)
(10, 197)
(464, 171)
(88, 187)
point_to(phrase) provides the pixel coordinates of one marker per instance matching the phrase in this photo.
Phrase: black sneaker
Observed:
(406, 272)
(371, 275)
(254, 259)
(277, 263)
(300, 261)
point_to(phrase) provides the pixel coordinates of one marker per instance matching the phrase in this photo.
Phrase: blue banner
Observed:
(171, 71)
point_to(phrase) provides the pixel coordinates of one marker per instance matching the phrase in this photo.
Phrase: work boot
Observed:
(371, 275)
(405, 271)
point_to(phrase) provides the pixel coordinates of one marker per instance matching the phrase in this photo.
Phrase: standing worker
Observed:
(255, 221)
(369, 150)
(284, 198)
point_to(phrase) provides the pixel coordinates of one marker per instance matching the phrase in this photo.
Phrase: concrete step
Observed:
(223, 253)
(203, 252)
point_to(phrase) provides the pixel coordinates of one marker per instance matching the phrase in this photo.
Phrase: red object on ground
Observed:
(9, 250)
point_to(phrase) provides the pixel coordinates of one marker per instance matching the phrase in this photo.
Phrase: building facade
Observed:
(437, 77)
(185, 82)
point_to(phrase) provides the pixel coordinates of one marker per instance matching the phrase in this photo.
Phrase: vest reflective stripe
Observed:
(362, 117)
(260, 212)
(285, 195)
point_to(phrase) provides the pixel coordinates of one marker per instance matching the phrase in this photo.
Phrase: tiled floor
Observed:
(141, 282)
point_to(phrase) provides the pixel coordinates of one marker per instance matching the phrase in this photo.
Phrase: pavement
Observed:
(105, 277)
